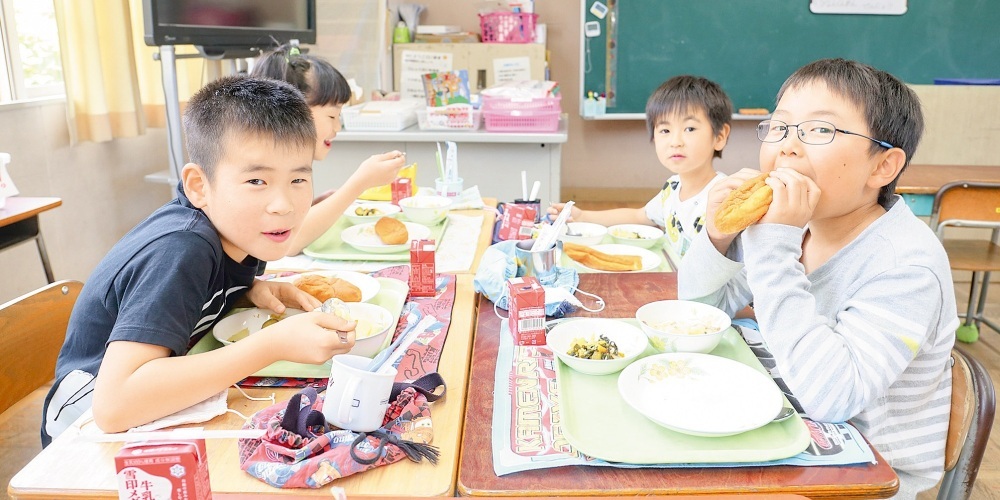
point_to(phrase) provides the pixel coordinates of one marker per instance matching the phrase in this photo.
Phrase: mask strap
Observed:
(597, 299)
(251, 398)
(497, 311)
(244, 417)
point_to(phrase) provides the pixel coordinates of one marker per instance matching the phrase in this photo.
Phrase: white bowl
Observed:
(590, 233)
(382, 210)
(374, 323)
(636, 235)
(238, 326)
(682, 325)
(630, 341)
(428, 210)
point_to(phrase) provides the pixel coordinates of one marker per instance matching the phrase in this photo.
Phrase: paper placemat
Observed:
(528, 426)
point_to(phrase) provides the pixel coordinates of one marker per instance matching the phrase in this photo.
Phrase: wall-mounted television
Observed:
(218, 26)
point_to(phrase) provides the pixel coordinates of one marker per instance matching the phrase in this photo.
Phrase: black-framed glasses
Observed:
(816, 132)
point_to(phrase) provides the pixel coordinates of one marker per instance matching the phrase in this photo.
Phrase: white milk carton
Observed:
(7, 187)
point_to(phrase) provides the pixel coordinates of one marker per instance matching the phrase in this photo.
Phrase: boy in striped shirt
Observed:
(852, 292)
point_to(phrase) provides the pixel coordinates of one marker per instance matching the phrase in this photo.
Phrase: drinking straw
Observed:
(524, 185)
(534, 191)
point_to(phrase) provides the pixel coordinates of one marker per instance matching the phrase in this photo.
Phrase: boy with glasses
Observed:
(852, 293)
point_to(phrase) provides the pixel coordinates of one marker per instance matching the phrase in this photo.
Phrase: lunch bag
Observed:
(299, 449)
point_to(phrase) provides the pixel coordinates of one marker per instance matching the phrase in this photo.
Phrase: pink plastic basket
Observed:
(508, 27)
(521, 121)
(508, 104)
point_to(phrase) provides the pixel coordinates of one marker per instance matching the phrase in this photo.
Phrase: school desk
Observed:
(73, 468)
(623, 294)
(19, 223)
(919, 183)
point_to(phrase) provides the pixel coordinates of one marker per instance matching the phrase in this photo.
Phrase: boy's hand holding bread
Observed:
(783, 196)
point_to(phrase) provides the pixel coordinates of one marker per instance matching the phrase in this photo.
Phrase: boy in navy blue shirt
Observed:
(241, 199)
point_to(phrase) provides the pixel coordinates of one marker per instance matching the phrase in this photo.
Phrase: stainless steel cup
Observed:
(541, 263)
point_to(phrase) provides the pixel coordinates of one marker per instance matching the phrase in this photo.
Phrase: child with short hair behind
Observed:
(326, 91)
(689, 119)
(240, 200)
(853, 294)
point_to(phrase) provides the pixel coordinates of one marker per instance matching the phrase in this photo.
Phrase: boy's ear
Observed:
(888, 168)
(195, 183)
(723, 138)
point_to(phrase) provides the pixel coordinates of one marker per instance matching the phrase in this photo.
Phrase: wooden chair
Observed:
(977, 205)
(32, 329)
(973, 404)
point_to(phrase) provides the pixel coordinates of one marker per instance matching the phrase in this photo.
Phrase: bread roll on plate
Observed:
(391, 231)
(324, 288)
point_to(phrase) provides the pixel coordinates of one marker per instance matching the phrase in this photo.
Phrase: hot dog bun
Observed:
(324, 288)
(744, 205)
(601, 261)
(391, 231)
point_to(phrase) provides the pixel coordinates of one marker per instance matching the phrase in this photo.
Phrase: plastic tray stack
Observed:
(389, 116)
(505, 114)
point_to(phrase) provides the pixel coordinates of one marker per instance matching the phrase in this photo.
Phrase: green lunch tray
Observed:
(391, 295)
(329, 246)
(600, 424)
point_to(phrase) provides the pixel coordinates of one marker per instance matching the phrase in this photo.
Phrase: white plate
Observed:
(363, 237)
(700, 394)
(650, 260)
(369, 286)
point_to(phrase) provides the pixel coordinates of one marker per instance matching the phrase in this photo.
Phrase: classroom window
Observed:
(30, 48)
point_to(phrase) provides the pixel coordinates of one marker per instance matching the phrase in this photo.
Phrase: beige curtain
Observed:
(113, 86)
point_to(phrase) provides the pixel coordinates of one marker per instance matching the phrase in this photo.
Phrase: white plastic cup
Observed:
(357, 399)
(448, 189)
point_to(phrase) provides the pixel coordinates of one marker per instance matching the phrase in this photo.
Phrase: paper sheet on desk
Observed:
(526, 430)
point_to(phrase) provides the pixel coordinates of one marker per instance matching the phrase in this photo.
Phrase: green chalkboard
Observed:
(751, 46)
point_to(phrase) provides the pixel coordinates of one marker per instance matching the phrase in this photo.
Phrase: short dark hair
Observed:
(235, 105)
(314, 76)
(684, 93)
(891, 109)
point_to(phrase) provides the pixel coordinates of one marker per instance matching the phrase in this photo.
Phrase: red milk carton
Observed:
(402, 187)
(527, 310)
(163, 470)
(517, 223)
(422, 275)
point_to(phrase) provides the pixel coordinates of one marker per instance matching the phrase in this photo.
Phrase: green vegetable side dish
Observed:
(602, 348)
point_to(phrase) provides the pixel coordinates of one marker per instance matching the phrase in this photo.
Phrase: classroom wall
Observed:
(615, 159)
(101, 185)
(104, 193)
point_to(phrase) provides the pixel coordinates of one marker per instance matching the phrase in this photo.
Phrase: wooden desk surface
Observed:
(485, 232)
(624, 293)
(927, 179)
(19, 208)
(73, 468)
